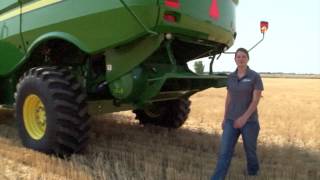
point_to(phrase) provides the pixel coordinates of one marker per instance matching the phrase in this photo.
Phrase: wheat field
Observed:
(121, 149)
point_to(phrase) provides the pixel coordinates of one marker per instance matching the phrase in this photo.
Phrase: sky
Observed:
(291, 44)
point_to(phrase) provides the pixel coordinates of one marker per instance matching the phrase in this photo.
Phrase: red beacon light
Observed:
(170, 18)
(264, 25)
(172, 3)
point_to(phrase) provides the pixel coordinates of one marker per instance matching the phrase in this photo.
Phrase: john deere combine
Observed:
(62, 60)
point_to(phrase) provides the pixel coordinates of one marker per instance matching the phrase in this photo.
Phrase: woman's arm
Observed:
(226, 107)
(241, 121)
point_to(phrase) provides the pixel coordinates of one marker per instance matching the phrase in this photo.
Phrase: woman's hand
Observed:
(222, 124)
(240, 122)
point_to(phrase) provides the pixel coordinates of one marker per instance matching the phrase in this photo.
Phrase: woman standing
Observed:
(241, 117)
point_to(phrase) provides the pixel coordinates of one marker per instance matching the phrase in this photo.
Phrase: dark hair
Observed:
(242, 50)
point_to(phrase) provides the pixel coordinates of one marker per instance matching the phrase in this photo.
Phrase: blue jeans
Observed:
(249, 132)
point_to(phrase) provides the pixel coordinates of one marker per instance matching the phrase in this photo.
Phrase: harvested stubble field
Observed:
(288, 147)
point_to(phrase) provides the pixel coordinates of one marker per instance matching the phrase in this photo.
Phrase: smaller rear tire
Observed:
(169, 114)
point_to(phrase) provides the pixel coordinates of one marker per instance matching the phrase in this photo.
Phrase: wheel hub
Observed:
(34, 116)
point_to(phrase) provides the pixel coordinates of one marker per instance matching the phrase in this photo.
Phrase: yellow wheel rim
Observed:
(34, 117)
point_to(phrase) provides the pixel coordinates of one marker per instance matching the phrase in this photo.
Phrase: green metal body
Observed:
(119, 49)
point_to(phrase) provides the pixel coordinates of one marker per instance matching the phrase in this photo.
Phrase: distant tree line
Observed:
(198, 67)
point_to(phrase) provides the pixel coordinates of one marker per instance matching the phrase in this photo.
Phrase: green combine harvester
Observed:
(62, 60)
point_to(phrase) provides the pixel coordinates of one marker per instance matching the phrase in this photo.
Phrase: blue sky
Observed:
(292, 43)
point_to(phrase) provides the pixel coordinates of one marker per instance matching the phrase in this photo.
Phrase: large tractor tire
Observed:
(169, 114)
(51, 111)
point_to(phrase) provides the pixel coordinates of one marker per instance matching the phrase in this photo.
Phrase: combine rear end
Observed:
(105, 56)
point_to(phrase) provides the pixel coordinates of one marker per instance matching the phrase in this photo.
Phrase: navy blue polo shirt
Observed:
(241, 93)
